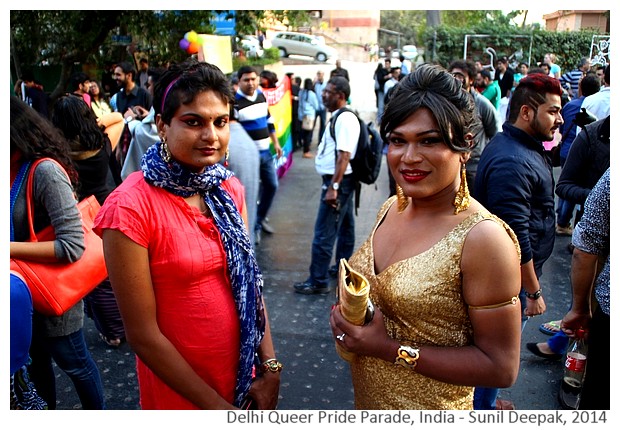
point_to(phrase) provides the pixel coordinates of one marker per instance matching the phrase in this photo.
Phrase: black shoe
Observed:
(267, 228)
(533, 348)
(333, 272)
(308, 288)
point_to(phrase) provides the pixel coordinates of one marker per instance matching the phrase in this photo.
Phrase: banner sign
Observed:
(216, 50)
(280, 102)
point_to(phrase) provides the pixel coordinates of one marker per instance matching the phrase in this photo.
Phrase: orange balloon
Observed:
(193, 48)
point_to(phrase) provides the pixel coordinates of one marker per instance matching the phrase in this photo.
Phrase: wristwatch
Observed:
(335, 186)
(534, 296)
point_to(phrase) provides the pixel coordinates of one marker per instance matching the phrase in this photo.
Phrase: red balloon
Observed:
(193, 48)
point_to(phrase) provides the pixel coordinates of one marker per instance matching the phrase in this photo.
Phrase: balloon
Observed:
(183, 44)
(191, 36)
(193, 48)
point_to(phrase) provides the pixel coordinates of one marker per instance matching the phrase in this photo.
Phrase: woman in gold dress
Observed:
(443, 272)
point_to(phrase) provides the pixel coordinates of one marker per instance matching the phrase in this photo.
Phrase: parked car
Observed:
(291, 43)
(410, 52)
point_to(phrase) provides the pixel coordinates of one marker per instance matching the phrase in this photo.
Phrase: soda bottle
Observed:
(574, 371)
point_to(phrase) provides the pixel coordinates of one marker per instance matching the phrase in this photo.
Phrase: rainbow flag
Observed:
(280, 101)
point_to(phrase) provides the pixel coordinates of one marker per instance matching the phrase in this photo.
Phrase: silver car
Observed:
(290, 43)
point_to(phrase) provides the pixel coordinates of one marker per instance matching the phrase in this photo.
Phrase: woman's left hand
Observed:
(371, 339)
(265, 389)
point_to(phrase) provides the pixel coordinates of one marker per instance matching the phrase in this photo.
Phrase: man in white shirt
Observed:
(335, 215)
(598, 104)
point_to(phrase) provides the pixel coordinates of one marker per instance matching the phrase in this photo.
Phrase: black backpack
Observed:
(367, 162)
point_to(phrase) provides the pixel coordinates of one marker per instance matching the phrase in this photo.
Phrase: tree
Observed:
(68, 39)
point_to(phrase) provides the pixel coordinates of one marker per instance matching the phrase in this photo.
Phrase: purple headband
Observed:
(163, 100)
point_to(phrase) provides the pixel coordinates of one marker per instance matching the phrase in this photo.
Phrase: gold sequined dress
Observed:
(422, 304)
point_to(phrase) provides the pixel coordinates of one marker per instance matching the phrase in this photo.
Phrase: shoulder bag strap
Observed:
(16, 187)
(30, 193)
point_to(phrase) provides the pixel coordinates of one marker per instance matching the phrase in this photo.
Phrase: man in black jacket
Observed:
(505, 76)
(515, 182)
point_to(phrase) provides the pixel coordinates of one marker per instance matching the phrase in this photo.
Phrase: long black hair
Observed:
(78, 123)
(36, 137)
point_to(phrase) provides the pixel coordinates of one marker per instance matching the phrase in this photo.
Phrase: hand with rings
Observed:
(340, 337)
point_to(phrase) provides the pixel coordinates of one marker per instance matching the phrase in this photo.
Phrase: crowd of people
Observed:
(182, 161)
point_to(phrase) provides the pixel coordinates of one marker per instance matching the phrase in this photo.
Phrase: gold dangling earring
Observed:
(166, 155)
(226, 157)
(462, 198)
(402, 199)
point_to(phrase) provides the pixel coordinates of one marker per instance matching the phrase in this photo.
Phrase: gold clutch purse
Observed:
(355, 305)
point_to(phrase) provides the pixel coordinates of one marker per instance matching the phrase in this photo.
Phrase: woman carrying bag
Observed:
(91, 153)
(58, 338)
(308, 105)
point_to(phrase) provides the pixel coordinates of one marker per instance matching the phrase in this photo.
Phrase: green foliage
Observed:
(406, 22)
(446, 43)
(270, 56)
(66, 40)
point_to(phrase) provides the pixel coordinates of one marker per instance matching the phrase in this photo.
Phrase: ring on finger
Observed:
(340, 337)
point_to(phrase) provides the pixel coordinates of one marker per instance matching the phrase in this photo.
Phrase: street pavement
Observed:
(314, 377)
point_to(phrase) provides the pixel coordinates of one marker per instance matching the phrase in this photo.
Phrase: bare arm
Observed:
(493, 359)
(128, 269)
(266, 387)
(276, 144)
(583, 275)
(342, 162)
(530, 283)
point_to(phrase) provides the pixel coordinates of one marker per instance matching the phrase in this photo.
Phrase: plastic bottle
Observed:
(574, 371)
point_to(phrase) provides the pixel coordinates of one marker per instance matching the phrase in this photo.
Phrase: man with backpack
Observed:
(335, 216)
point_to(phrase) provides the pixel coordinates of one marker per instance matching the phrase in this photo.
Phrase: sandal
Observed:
(114, 343)
(550, 328)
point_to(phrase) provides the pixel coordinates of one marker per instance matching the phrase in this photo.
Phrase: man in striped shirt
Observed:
(252, 112)
(573, 77)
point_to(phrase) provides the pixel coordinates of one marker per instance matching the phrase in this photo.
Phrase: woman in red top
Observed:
(181, 262)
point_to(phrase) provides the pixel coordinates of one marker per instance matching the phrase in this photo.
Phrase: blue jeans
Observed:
(565, 212)
(71, 355)
(269, 186)
(484, 398)
(331, 224)
(380, 106)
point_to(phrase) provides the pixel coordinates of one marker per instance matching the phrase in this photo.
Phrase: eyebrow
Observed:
(420, 134)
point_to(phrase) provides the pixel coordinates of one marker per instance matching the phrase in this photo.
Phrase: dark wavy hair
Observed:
(36, 137)
(432, 87)
(78, 123)
(182, 82)
(532, 91)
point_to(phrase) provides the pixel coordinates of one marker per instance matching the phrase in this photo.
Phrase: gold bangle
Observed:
(408, 356)
(271, 365)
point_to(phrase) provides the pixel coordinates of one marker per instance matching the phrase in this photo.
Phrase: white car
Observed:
(410, 52)
(291, 43)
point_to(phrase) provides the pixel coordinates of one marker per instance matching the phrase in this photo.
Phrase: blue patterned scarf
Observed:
(245, 277)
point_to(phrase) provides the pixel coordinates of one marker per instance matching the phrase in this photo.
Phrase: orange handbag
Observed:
(57, 287)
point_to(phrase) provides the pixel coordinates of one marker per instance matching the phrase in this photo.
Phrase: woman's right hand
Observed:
(371, 340)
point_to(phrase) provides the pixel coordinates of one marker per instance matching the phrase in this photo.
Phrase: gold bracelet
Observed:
(271, 365)
(408, 356)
